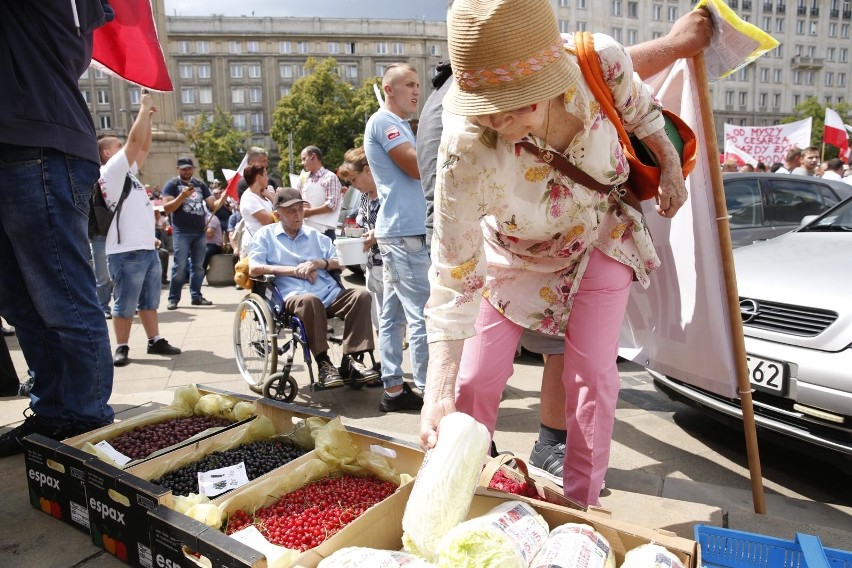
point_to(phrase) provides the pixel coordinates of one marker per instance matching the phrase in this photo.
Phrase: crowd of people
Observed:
(477, 242)
(797, 161)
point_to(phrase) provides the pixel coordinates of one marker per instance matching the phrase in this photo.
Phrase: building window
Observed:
(776, 100)
(284, 47)
(189, 118)
(134, 93)
(743, 74)
(85, 74)
(103, 97)
(238, 96)
(616, 7)
(797, 77)
(349, 48)
(564, 26)
(351, 71)
(844, 52)
(257, 122)
(183, 47)
(253, 46)
(616, 34)
(254, 71)
(779, 25)
(800, 27)
(236, 71)
(813, 28)
(581, 26)
(381, 48)
(841, 80)
(762, 98)
(564, 3)
(581, 4)
(764, 74)
(187, 95)
(797, 99)
(380, 69)
(333, 47)
(235, 47)
(729, 98)
(255, 95)
(105, 122)
(811, 51)
(829, 78)
(657, 12)
(398, 49)
(656, 35)
(779, 51)
(302, 47)
(776, 75)
(203, 70)
(303, 72)
(829, 54)
(435, 50)
(205, 95)
(86, 96)
(285, 71)
(185, 71)
(202, 47)
(672, 11)
(743, 98)
(284, 91)
(240, 121)
(632, 37)
(844, 31)
(809, 77)
(100, 74)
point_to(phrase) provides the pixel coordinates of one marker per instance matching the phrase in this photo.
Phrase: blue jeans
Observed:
(406, 281)
(137, 275)
(99, 264)
(188, 247)
(47, 287)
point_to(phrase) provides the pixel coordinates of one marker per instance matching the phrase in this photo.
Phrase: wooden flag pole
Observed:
(727, 256)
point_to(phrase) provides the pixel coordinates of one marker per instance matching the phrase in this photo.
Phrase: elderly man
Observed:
(300, 258)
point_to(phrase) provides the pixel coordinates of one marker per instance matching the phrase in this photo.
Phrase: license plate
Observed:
(767, 374)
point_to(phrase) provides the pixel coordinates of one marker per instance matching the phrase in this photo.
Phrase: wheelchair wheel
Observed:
(281, 386)
(255, 341)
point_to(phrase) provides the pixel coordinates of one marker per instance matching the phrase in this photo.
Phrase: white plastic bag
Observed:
(572, 545)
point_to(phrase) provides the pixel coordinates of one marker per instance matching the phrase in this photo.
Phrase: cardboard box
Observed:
(56, 481)
(175, 537)
(133, 485)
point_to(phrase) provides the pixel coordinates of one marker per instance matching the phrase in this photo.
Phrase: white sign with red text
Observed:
(768, 144)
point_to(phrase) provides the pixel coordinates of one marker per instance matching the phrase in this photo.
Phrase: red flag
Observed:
(128, 46)
(234, 178)
(834, 132)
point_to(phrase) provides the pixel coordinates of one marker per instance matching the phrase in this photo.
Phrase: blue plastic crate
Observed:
(727, 548)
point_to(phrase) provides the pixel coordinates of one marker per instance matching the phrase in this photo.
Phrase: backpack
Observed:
(101, 216)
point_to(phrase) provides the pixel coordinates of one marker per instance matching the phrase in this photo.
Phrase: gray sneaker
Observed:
(546, 462)
(329, 377)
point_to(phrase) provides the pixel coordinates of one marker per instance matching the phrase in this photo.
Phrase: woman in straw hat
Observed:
(551, 254)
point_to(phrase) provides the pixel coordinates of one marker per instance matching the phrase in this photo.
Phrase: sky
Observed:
(431, 10)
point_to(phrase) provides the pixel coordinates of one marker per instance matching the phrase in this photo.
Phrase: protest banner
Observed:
(768, 144)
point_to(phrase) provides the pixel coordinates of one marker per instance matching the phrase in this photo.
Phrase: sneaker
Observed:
(329, 377)
(546, 461)
(201, 301)
(162, 347)
(353, 369)
(408, 400)
(121, 358)
(172, 305)
(10, 442)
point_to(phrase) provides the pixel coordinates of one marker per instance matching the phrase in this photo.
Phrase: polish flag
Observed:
(834, 133)
(234, 178)
(741, 155)
(128, 47)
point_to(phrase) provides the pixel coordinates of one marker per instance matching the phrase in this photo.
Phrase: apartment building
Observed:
(245, 64)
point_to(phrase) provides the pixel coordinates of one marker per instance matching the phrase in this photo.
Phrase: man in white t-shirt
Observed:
(132, 258)
(321, 189)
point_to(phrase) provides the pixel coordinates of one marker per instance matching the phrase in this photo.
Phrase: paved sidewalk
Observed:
(661, 474)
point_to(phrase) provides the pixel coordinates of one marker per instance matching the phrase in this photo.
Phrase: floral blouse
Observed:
(519, 233)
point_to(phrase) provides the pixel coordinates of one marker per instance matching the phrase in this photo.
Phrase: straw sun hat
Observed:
(506, 54)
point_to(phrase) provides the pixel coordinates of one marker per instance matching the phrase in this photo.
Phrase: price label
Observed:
(217, 481)
(113, 454)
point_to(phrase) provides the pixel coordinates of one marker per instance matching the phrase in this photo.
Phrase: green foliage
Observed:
(321, 110)
(215, 142)
(811, 107)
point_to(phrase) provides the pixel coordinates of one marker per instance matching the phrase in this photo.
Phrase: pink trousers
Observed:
(590, 375)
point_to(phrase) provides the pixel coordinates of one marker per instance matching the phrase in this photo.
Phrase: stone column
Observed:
(168, 143)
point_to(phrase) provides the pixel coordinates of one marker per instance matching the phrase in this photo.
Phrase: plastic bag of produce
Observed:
(443, 490)
(572, 545)
(508, 536)
(355, 556)
(651, 556)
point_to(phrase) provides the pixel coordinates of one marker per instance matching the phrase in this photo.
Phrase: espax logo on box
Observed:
(166, 563)
(43, 479)
(106, 511)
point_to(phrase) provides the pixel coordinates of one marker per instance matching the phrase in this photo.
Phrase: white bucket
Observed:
(350, 252)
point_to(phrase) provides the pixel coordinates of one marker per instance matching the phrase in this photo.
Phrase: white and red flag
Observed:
(234, 178)
(834, 133)
(128, 46)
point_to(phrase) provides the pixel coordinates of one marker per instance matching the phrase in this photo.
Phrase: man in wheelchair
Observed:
(300, 258)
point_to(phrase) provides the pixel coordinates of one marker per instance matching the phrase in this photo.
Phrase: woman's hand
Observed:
(672, 192)
(440, 397)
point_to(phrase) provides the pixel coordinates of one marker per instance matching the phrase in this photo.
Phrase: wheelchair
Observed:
(264, 332)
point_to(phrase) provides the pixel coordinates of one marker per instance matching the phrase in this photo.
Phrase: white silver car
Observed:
(796, 303)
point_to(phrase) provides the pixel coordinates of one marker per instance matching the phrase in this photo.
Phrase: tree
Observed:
(214, 141)
(321, 110)
(366, 104)
(811, 107)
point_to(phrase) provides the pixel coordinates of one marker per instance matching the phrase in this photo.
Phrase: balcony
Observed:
(847, 14)
(733, 4)
(804, 62)
(814, 12)
(802, 10)
(781, 8)
(767, 8)
(834, 13)
(746, 4)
